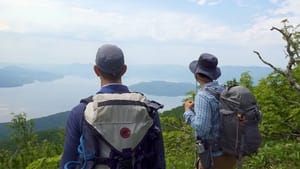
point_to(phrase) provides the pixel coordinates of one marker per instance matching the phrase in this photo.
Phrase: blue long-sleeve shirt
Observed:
(205, 119)
(74, 130)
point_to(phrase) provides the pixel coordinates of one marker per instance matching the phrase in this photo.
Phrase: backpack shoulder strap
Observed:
(150, 103)
(153, 105)
(212, 92)
(87, 100)
(215, 91)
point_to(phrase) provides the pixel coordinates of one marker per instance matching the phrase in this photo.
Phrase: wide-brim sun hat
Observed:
(207, 65)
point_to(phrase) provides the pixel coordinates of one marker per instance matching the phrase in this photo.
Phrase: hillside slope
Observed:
(51, 122)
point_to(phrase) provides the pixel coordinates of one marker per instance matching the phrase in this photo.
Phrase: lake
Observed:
(40, 99)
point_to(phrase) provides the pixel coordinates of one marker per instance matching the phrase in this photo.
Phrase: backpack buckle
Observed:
(125, 163)
(125, 160)
(241, 117)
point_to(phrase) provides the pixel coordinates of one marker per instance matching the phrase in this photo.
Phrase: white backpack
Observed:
(115, 126)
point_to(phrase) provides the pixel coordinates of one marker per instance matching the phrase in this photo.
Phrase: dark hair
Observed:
(205, 77)
(110, 76)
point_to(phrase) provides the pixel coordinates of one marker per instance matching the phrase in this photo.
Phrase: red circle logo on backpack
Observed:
(125, 132)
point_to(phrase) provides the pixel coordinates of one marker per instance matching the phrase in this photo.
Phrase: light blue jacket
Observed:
(205, 118)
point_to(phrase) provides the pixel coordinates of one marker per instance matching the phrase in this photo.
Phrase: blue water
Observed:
(40, 99)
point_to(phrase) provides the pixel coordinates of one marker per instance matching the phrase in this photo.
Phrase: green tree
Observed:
(279, 104)
(27, 148)
(278, 94)
(246, 80)
(232, 82)
(179, 142)
(45, 163)
(24, 139)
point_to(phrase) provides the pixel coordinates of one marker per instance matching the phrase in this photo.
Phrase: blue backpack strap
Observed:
(84, 157)
(81, 148)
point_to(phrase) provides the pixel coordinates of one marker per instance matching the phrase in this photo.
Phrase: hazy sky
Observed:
(148, 31)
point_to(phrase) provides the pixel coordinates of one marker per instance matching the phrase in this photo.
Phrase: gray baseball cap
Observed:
(110, 59)
(207, 65)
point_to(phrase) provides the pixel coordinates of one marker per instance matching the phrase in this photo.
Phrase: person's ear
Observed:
(97, 71)
(123, 70)
(200, 78)
(197, 77)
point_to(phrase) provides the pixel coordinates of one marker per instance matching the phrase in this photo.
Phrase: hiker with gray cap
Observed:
(114, 128)
(202, 114)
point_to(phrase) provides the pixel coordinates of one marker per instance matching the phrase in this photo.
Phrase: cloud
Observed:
(273, 1)
(288, 8)
(31, 15)
(208, 2)
(3, 26)
(71, 20)
(55, 23)
(74, 21)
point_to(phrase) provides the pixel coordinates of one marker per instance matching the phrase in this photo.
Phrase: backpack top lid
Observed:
(239, 99)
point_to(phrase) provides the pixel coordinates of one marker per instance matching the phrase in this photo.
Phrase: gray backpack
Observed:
(240, 117)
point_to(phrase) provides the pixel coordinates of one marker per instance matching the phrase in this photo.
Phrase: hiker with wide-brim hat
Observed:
(202, 114)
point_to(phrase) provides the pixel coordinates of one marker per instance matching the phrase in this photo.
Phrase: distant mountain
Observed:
(75, 69)
(17, 75)
(13, 76)
(162, 88)
(179, 73)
